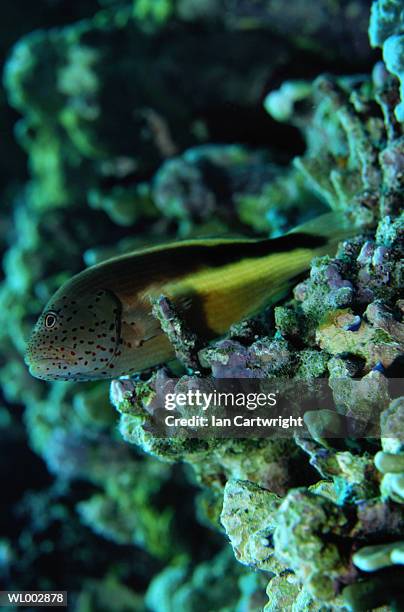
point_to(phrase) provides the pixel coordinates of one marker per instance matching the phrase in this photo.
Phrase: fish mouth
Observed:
(34, 354)
(40, 368)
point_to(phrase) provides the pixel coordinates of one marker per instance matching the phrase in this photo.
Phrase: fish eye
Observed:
(50, 319)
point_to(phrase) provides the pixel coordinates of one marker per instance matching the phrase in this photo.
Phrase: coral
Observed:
(356, 296)
(306, 26)
(343, 332)
(214, 585)
(124, 206)
(360, 167)
(281, 199)
(353, 476)
(124, 512)
(308, 534)
(386, 18)
(389, 461)
(265, 462)
(210, 181)
(378, 557)
(372, 558)
(386, 30)
(184, 341)
(280, 103)
(285, 593)
(371, 343)
(70, 145)
(251, 539)
(282, 592)
(307, 524)
(95, 593)
(393, 51)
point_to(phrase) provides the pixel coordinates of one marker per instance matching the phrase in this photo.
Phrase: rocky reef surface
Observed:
(148, 121)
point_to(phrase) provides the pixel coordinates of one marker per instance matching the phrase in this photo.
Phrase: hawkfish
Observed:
(100, 324)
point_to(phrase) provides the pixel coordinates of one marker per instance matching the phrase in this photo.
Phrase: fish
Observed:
(100, 325)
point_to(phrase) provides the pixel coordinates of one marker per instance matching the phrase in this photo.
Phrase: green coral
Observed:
(307, 526)
(372, 343)
(214, 585)
(250, 537)
(345, 138)
(213, 460)
(95, 594)
(282, 592)
(125, 511)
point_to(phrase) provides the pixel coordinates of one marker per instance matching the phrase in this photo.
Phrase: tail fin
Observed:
(332, 225)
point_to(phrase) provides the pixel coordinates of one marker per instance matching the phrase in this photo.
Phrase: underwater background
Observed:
(132, 122)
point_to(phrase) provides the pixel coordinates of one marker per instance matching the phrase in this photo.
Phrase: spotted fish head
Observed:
(76, 338)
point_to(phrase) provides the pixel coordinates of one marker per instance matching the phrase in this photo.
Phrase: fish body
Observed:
(99, 324)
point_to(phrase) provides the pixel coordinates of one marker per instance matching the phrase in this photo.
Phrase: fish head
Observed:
(76, 337)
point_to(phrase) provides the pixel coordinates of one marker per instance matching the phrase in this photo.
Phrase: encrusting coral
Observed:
(348, 317)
